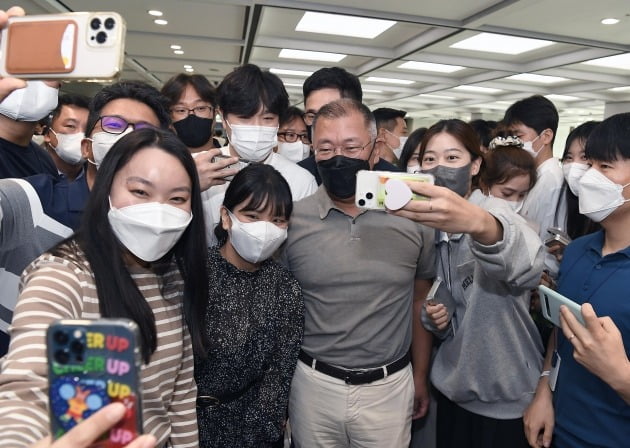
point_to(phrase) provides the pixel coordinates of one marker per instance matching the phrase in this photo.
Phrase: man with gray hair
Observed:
(364, 275)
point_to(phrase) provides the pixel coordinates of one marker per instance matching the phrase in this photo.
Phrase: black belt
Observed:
(354, 377)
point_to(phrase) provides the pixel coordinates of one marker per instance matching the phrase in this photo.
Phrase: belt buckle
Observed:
(358, 377)
(208, 401)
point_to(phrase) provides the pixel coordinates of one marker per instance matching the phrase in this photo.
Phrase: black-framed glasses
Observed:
(113, 124)
(292, 137)
(327, 150)
(200, 111)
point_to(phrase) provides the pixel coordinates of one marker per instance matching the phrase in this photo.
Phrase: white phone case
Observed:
(370, 191)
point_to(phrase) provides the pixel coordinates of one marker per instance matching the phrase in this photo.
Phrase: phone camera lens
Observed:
(369, 195)
(95, 23)
(109, 23)
(101, 37)
(61, 337)
(361, 202)
(76, 347)
(62, 356)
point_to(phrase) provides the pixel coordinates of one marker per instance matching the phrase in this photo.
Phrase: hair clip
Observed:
(500, 142)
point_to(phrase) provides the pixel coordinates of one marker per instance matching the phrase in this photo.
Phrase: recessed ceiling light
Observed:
(478, 89)
(178, 51)
(155, 13)
(554, 97)
(292, 84)
(431, 67)
(187, 66)
(621, 61)
(311, 55)
(389, 80)
(281, 71)
(541, 79)
(160, 22)
(620, 89)
(340, 25)
(190, 69)
(441, 97)
(500, 43)
(176, 47)
(610, 21)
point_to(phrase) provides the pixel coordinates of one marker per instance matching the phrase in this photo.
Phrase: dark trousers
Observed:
(459, 428)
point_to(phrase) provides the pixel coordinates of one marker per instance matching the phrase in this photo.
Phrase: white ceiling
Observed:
(218, 35)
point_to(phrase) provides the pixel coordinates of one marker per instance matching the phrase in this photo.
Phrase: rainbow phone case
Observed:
(92, 363)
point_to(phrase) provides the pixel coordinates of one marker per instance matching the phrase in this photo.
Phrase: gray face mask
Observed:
(455, 179)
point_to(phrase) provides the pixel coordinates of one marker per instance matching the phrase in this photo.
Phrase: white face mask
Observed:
(32, 103)
(529, 147)
(413, 169)
(573, 172)
(514, 205)
(398, 151)
(295, 151)
(253, 143)
(255, 241)
(599, 196)
(68, 147)
(148, 230)
(102, 142)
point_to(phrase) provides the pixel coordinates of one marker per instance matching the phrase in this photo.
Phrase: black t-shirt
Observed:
(23, 161)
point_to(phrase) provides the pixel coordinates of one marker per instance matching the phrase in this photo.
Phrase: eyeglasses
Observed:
(308, 118)
(199, 111)
(113, 124)
(327, 150)
(292, 137)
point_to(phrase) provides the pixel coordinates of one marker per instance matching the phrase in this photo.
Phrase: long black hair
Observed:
(263, 187)
(118, 294)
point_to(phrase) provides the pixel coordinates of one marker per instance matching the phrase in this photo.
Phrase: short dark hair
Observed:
(291, 114)
(118, 294)
(338, 78)
(535, 112)
(580, 133)
(263, 186)
(133, 90)
(174, 87)
(344, 107)
(243, 91)
(386, 117)
(610, 140)
(413, 141)
(485, 130)
(69, 99)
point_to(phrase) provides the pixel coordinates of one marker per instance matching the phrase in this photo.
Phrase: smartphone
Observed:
(242, 163)
(550, 302)
(371, 192)
(92, 363)
(431, 299)
(87, 46)
(558, 236)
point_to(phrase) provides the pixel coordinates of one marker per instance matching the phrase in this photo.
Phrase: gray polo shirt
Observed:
(357, 277)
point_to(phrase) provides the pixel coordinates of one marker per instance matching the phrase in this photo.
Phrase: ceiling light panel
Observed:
(431, 67)
(311, 55)
(554, 97)
(477, 89)
(281, 71)
(389, 80)
(500, 43)
(340, 25)
(620, 61)
(539, 79)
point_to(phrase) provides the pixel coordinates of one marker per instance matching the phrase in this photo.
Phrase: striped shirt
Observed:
(58, 288)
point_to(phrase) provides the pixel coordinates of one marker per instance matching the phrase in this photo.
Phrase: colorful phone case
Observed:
(92, 364)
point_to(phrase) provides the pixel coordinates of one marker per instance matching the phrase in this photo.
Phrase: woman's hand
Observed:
(439, 315)
(8, 85)
(212, 173)
(86, 432)
(539, 417)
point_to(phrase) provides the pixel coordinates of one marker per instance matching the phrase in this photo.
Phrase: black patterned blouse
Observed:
(255, 322)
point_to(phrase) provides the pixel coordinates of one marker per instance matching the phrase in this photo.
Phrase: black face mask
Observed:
(339, 175)
(455, 179)
(194, 131)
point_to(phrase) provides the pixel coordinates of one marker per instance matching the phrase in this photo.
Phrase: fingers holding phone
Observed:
(438, 313)
(213, 168)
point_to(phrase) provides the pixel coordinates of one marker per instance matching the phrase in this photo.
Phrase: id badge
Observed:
(555, 367)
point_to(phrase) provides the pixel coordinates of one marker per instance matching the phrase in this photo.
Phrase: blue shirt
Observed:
(589, 413)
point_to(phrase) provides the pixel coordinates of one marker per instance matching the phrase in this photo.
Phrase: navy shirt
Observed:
(310, 165)
(589, 413)
(21, 161)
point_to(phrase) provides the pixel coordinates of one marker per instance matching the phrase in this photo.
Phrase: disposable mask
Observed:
(194, 131)
(295, 151)
(253, 143)
(38, 139)
(148, 230)
(32, 103)
(68, 147)
(339, 175)
(573, 172)
(514, 205)
(398, 151)
(599, 196)
(455, 179)
(529, 147)
(413, 169)
(255, 241)
(102, 142)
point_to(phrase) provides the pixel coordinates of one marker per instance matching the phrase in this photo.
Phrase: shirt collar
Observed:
(597, 243)
(325, 204)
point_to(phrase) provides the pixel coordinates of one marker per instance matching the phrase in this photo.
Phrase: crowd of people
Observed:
(272, 309)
